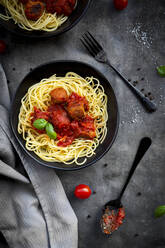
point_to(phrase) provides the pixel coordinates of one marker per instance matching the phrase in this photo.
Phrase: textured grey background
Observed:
(134, 38)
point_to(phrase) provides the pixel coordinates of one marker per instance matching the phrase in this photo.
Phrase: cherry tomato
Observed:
(120, 4)
(2, 46)
(82, 191)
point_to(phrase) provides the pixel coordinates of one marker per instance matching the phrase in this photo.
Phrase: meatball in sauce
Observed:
(34, 10)
(59, 95)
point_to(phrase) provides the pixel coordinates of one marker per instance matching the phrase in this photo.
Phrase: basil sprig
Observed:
(42, 124)
(50, 131)
(161, 70)
(160, 211)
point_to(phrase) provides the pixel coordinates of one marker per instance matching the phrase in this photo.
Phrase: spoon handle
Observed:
(143, 147)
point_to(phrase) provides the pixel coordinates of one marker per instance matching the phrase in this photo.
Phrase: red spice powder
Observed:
(112, 219)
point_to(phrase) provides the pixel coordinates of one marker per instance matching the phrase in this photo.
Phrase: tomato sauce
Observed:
(65, 7)
(35, 8)
(76, 98)
(112, 219)
(67, 127)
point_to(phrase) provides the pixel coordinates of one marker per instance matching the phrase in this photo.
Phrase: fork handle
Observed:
(151, 106)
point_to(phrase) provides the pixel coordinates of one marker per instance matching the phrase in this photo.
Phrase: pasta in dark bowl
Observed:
(41, 18)
(65, 115)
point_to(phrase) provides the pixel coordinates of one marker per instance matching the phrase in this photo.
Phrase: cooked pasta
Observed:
(38, 96)
(15, 10)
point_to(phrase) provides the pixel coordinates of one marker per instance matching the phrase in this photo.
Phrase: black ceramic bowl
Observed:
(60, 68)
(73, 19)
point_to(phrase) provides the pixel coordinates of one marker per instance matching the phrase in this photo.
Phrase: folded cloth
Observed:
(35, 212)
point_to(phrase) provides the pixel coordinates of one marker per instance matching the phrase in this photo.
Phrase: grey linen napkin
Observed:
(34, 210)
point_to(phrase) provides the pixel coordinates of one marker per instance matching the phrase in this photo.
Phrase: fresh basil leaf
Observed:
(50, 131)
(160, 211)
(161, 70)
(40, 124)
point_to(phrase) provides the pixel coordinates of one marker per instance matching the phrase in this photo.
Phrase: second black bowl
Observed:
(73, 19)
(60, 68)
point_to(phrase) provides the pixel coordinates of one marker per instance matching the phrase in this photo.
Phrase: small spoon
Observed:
(113, 210)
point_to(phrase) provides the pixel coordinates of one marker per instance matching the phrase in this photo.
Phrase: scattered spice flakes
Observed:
(138, 69)
(88, 216)
(135, 83)
(151, 98)
(105, 165)
(94, 192)
(149, 95)
(142, 79)
(129, 80)
(14, 69)
(139, 194)
(136, 235)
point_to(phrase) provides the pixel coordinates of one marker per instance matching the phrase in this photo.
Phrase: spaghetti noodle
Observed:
(38, 96)
(15, 10)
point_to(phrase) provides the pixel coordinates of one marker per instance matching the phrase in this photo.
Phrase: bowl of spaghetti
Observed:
(41, 18)
(65, 115)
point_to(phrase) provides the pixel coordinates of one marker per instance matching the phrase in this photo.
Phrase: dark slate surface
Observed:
(134, 39)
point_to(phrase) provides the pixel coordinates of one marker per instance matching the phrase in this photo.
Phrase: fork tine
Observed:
(89, 50)
(90, 45)
(95, 41)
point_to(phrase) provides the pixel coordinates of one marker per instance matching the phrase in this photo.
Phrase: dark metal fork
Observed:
(97, 51)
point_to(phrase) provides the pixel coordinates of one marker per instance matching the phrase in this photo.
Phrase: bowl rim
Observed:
(49, 34)
(22, 145)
